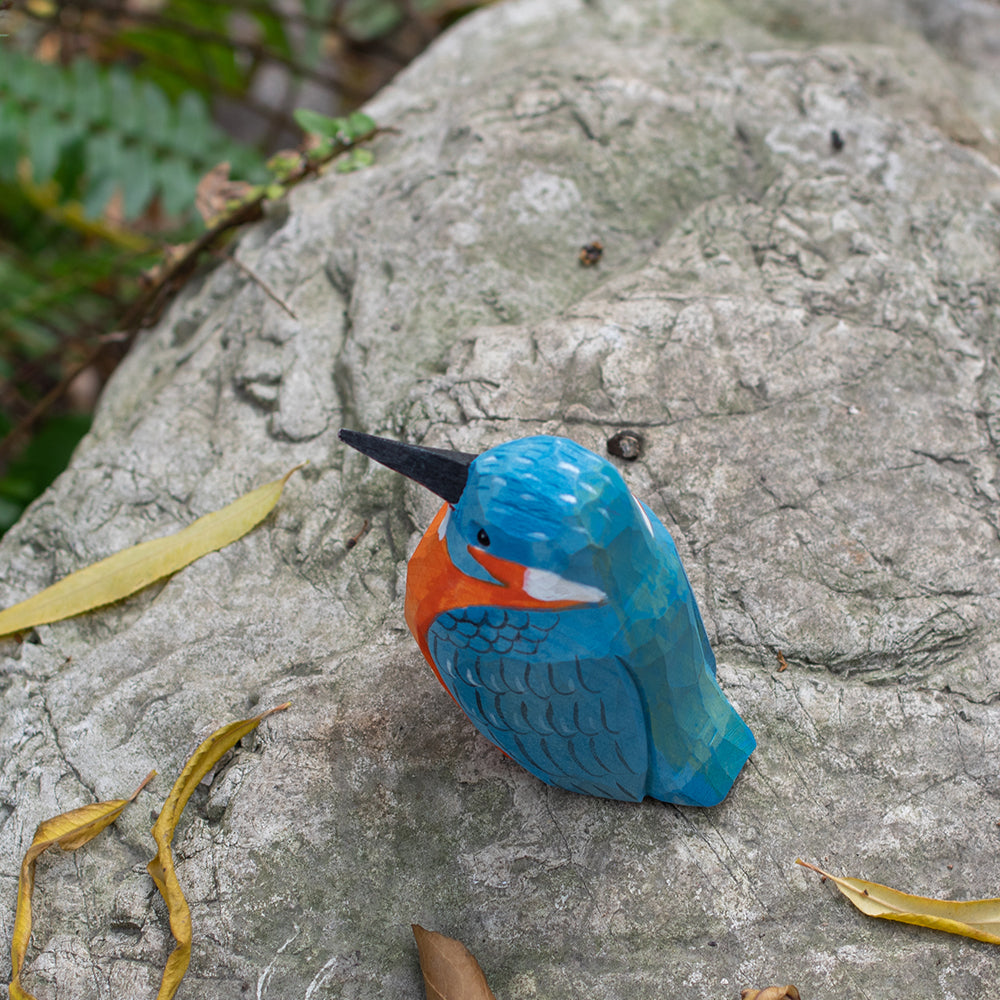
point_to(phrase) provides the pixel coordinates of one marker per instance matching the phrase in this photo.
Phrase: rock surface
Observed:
(806, 337)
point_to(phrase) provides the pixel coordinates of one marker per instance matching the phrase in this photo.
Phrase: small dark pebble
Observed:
(836, 141)
(591, 253)
(626, 444)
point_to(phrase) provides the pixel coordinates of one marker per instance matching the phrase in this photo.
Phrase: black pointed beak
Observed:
(443, 472)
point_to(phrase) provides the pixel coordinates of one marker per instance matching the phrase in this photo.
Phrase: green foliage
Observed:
(355, 159)
(186, 47)
(55, 285)
(369, 19)
(346, 130)
(190, 44)
(101, 155)
(337, 130)
(38, 465)
(94, 131)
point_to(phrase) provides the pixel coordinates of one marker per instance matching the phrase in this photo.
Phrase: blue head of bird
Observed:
(552, 506)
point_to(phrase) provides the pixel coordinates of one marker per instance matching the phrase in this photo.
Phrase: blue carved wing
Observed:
(574, 722)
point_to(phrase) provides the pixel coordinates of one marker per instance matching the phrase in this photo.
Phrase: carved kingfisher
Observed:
(553, 607)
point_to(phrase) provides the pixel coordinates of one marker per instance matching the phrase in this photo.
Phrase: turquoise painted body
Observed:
(602, 681)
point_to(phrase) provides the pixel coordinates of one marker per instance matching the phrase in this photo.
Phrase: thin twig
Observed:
(19, 433)
(258, 280)
(149, 306)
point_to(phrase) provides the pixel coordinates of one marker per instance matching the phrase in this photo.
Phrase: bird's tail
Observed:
(715, 752)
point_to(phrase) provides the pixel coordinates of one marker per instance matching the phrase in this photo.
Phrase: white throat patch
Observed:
(546, 586)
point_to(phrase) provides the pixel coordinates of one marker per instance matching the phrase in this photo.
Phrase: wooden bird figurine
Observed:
(553, 607)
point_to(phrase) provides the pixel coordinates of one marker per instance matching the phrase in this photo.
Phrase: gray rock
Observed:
(806, 337)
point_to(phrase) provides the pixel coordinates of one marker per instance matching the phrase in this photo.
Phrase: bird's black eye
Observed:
(483, 538)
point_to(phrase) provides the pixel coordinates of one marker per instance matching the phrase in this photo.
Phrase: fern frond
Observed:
(92, 132)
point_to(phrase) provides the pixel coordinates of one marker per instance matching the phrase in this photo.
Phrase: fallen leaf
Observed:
(977, 918)
(450, 971)
(161, 868)
(125, 572)
(69, 831)
(788, 992)
(216, 193)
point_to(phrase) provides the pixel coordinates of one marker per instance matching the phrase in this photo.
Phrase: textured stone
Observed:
(806, 339)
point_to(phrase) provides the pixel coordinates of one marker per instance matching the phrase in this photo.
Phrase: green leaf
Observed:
(94, 130)
(44, 142)
(105, 155)
(192, 130)
(98, 194)
(9, 149)
(11, 129)
(105, 167)
(177, 188)
(356, 159)
(140, 180)
(319, 124)
(272, 28)
(173, 60)
(72, 165)
(91, 102)
(59, 98)
(318, 10)
(282, 164)
(129, 118)
(27, 78)
(156, 111)
(359, 124)
(367, 19)
(320, 151)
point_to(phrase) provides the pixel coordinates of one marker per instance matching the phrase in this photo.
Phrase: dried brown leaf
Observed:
(68, 831)
(161, 868)
(450, 971)
(216, 193)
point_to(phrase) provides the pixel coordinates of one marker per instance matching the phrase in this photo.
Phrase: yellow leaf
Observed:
(132, 569)
(161, 868)
(450, 971)
(69, 831)
(977, 918)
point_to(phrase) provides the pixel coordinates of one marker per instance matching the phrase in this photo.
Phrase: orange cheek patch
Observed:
(434, 585)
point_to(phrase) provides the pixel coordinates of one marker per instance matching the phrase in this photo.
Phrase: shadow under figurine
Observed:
(553, 607)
